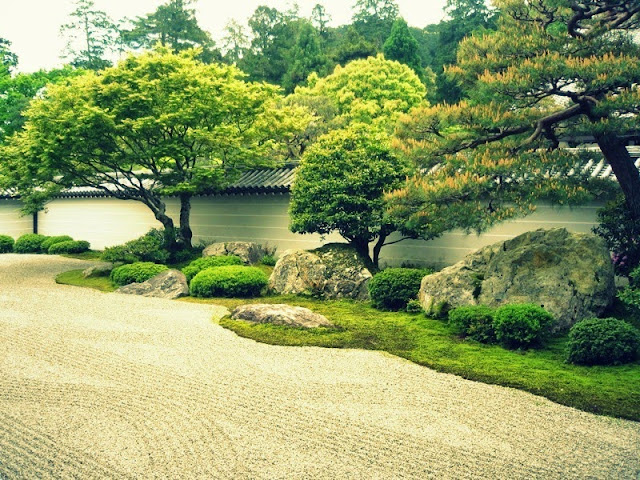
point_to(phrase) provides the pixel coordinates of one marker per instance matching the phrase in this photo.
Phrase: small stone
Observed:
(168, 284)
(280, 314)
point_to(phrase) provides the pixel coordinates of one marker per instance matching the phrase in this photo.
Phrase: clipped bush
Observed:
(392, 288)
(603, 341)
(70, 246)
(229, 281)
(474, 321)
(268, 260)
(29, 243)
(53, 240)
(414, 306)
(521, 325)
(136, 272)
(200, 264)
(6, 244)
(148, 248)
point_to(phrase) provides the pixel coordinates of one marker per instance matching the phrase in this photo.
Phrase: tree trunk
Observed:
(616, 154)
(159, 209)
(377, 247)
(362, 247)
(186, 234)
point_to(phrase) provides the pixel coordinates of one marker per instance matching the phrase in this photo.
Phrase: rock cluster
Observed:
(249, 252)
(332, 271)
(568, 274)
(168, 284)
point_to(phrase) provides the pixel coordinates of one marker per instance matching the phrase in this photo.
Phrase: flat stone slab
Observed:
(168, 284)
(280, 314)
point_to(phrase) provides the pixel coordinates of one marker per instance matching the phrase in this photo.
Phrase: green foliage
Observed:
(621, 233)
(91, 36)
(6, 244)
(353, 47)
(69, 246)
(403, 47)
(306, 57)
(268, 260)
(340, 183)
(521, 325)
(136, 272)
(200, 264)
(498, 152)
(229, 281)
(603, 341)
(55, 239)
(393, 288)
(29, 243)
(475, 321)
(147, 248)
(630, 295)
(373, 91)
(414, 306)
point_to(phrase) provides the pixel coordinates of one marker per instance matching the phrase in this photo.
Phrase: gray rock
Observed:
(168, 284)
(99, 270)
(569, 274)
(333, 271)
(280, 314)
(249, 252)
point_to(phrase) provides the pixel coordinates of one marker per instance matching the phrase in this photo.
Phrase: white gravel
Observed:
(99, 385)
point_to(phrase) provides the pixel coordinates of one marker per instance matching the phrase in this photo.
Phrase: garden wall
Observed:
(263, 218)
(12, 222)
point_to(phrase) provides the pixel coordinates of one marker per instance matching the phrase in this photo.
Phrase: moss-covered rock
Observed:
(332, 271)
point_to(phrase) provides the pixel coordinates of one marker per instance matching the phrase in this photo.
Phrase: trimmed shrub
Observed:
(414, 306)
(229, 281)
(70, 246)
(136, 272)
(392, 288)
(521, 325)
(148, 248)
(29, 243)
(200, 264)
(53, 240)
(475, 321)
(268, 260)
(6, 244)
(603, 341)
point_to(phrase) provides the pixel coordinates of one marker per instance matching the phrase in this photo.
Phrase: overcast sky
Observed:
(33, 25)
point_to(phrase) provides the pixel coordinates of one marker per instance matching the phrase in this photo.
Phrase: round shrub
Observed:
(392, 288)
(69, 246)
(268, 260)
(475, 321)
(6, 244)
(603, 341)
(46, 244)
(414, 306)
(229, 281)
(200, 264)
(136, 272)
(521, 325)
(29, 243)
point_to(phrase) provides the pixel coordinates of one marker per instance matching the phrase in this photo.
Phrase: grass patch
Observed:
(75, 278)
(88, 255)
(611, 390)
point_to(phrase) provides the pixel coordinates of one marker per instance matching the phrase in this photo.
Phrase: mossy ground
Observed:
(611, 390)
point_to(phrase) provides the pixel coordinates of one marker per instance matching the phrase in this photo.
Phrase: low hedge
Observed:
(392, 288)
(69, 246)
(136, 272)
(29, 243)
(6, 244)
(229, 281)
(603, 341)
(46, 244)
(200, 264)
(474, 321)
(521, 325)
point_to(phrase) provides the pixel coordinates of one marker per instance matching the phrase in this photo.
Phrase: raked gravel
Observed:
(96, 385)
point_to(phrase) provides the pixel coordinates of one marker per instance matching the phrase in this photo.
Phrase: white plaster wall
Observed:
(12, 222)
(264, 219)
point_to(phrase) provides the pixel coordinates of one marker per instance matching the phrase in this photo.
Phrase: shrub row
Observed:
(36, 243)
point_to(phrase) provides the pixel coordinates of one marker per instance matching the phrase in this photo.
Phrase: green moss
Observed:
(75, 278)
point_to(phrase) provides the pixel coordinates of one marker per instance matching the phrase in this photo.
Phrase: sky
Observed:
(33, 25)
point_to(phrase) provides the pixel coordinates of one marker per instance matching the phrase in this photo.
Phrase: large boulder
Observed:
(168, 284)
(569, 274)
(332, 271)
(280, 314)
(249, 252)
